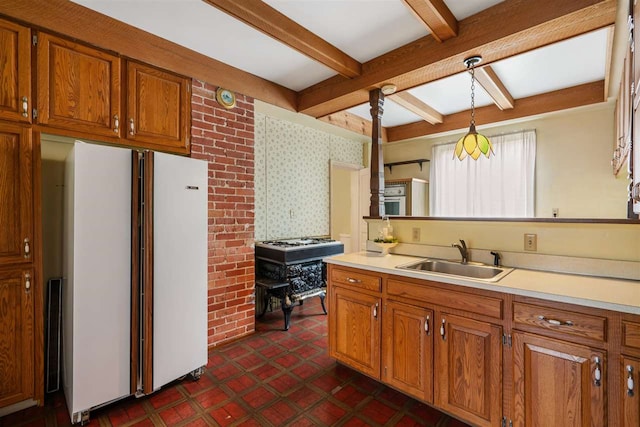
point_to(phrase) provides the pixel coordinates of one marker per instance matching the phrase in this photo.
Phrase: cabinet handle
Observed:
(555, 322)
(375, 311)
(426, 326)
(350, 280)
(630, 385)
(132, 127)
(27, 282)
(25, 106)
(442, 330)
(597, 373)
(116, 123)
(27, 248)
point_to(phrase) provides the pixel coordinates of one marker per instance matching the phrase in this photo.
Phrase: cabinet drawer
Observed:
(356, 279)
(567, 322)
(631, 334)
(477, 304)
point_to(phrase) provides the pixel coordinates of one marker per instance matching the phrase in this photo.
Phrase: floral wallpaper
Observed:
(292, 177)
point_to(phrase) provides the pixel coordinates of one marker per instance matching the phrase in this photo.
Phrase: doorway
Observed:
(349, 202)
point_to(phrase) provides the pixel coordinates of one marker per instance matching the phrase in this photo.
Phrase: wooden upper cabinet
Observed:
(16, 195)
(15, 72)
(468, 369)
(16, 336)
(408, 349)
(158, 108)
(354, 325)
(78, 87)
(556, 383)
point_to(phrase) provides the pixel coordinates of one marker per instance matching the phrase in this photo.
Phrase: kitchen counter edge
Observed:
(597, 292)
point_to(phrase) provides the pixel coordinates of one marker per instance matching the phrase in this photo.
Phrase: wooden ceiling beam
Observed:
(413, 104)
(436, 16)
(107, 33)
(509, 28)
(489, 80)
(577, 96)
(608, 62)
(271, 22)
(352, 122)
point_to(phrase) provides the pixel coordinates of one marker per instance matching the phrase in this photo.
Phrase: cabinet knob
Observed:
(350, 280)
(132, 127)
(27, 282)
(375, 311)
(27, 248)
(426, 326)
(116, 123)
(597, 373)
(630, 384)
(25, 106)
(442, 330)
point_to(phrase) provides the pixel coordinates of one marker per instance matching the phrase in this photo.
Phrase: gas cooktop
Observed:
(298, 250)
(296, 243)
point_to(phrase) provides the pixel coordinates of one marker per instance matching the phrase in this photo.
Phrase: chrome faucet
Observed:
(464, 252)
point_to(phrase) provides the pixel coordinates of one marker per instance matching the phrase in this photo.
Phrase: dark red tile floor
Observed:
(272, 378)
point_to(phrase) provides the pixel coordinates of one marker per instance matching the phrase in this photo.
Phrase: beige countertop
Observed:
(599, 292)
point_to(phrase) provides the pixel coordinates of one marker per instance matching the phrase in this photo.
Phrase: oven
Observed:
(395, 200)
(292, 270)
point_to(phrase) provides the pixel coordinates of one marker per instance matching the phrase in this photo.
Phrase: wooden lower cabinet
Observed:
(556, 383)
(408, 349)
(354, 322)
(530, 363)
(17, 363)
(468, 369)
(630, 393)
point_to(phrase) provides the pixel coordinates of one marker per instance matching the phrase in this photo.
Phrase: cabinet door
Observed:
(158, 108)
(354, 330)
(469, 369)
(408, 349)
(16, 190)
(16, 336)
(15, 72)
(555, 383)
(79, 87)
(630, 392)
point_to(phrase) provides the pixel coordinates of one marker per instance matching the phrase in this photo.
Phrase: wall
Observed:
(584, 240)
(225, 138)
(292, 172)
(573, 169)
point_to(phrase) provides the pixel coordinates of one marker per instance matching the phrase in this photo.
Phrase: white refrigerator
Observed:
(135, 273)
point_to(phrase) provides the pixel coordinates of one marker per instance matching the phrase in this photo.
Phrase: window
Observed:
(501, 186)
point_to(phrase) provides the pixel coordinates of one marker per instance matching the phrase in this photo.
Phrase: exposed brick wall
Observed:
(225, 138)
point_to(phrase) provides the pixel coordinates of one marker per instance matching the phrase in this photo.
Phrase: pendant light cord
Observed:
(473, 86)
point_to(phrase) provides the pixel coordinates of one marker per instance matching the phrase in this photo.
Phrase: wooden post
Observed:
(376, 101)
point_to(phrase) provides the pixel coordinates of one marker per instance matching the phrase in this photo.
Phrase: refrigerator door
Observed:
(179, 266)
(97, 276)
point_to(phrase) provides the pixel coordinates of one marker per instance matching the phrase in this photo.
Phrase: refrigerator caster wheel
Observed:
(81, 418)
(197, 373)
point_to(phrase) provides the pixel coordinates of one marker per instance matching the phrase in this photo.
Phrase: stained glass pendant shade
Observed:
(473, 144)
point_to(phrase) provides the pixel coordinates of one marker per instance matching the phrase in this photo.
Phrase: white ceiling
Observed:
(346, 24)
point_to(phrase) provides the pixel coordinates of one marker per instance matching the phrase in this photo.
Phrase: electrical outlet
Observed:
(530, 242)
(415, 234)
(555, 212)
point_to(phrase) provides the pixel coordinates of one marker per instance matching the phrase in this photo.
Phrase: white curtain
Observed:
(501, 186)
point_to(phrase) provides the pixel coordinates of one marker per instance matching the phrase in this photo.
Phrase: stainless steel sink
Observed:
(470, 270)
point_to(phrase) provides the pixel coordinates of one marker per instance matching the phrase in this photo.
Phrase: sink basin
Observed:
(471, 270)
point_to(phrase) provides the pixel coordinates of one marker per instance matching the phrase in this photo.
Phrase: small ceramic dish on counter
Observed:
(385, 247)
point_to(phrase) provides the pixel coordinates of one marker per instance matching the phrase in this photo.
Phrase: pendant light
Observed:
(473, 143)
